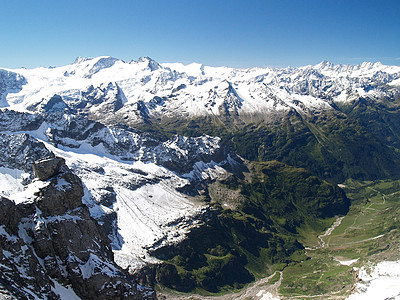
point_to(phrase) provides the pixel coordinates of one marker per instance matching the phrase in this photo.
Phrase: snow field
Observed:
(146, 201)
(378, 282)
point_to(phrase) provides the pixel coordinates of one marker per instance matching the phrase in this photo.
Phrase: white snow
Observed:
(266, 295)
(144, 215)
(62, 184)
(11, 181)
(65, 293)
(395, 82)
(63, 218)
(347, 262)
(28, 192)
(203, 171)
(378, 282)
(95, 265)
(193, 69)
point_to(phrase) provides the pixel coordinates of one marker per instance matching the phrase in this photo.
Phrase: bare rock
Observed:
(9, 216)
(47, 167)
(63, 193)
(19, 151)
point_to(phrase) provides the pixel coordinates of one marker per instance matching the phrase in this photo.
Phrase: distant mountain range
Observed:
(144, 90)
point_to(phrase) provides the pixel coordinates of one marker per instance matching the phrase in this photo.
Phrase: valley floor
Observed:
(261, 289)
(356, 257)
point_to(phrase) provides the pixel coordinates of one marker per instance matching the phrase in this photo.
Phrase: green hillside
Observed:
(253, 230)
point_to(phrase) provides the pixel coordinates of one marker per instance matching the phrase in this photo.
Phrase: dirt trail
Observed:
(328, 232)
(383, 195)
(362, 241)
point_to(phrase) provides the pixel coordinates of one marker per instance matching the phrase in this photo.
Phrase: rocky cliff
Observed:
(50, 246)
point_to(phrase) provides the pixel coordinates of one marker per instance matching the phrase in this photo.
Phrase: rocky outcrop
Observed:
(19, 151)
(50, 105)
(11, 120)
(47, 167)
(53, 241)
(9, 82)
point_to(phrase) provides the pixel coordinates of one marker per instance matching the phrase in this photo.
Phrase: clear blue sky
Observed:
(233, 33)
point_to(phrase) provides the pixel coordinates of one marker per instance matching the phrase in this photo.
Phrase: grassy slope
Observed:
(368, 233)
(358, 141)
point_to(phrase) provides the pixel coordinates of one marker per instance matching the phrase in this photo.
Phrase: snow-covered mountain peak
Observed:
(324, 65)
(371, 65)
(100, 63)
(81, 59)
(341, 68)
(149, 62)
(193, 69)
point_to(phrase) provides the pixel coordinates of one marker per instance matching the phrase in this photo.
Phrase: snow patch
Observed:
(62, 184)
(346, 262)
(95, 265)
(378, 282)
(4, 233)
(65, 293)
(266, 295)
(11, 181)
(29, 191)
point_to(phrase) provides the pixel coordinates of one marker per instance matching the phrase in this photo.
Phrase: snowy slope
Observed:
(134, 184)
(139, 199)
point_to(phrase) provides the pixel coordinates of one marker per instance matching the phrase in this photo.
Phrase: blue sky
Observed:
(230, 33)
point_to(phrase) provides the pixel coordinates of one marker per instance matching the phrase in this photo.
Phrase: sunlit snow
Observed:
(378, 282)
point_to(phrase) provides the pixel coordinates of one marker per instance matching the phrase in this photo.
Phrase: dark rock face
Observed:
(9, 81)
(19, 151)
(105, 98)
(63, 193)
(11, 120)
(20, 271)
(51, 105)
(47, 167)
(54, 239)
(8, 215)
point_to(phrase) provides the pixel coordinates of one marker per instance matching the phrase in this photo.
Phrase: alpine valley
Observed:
(141, 180)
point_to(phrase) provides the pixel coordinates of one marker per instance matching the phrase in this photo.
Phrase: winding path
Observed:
(328, 232)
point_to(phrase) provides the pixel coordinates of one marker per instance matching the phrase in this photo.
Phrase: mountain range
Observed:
(188, 176)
